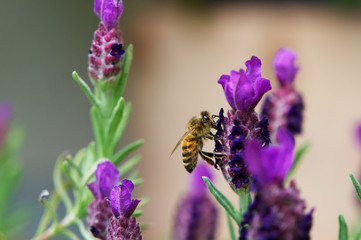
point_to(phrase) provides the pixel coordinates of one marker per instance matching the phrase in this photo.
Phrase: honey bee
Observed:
(198, 130)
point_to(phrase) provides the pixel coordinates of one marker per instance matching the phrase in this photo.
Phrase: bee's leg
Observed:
(207, 156)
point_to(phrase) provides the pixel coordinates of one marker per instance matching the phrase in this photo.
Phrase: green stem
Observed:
(46, 218)
(53, 230)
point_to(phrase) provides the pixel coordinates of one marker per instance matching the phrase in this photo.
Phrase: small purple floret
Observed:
(108, 11)
(284, 66)
(117, 50)
(120, 199)
(244, 89)
(106, 177)
(271, 163)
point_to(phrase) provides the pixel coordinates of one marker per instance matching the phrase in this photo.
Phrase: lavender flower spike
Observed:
(123, 226)
(284, 65)
(244, 89)
(99, 213)
(196, 216)
(108, 11)
(276, 212)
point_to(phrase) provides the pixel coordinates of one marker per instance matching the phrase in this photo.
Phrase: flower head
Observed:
(108, 11)
(284, 106)
(5, 114)
(122, 224)
(99, 213)
(117, 50)
(120, 199)
(276, 212)
(196, 216)
(271, 163)
(244, 89)
(284, 66)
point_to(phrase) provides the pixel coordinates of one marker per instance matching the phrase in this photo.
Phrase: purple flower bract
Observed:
(108, 11)
(273, 162)
(284, 66)
(120, 199)
(106, 177)
(244, 89)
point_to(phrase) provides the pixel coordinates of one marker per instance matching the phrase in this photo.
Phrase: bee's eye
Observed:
(205, 117)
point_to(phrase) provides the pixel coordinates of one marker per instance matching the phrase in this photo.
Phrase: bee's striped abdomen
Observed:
(190, 148)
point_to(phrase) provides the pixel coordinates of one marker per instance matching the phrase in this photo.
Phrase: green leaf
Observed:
(122, 80)
(357, 186)
(299, 154)
(86, 90)
(68, 175)
(342, 233)
(138, 213)
(230, 227)
(226, 204)
(128, 165)
(137, 181)
(59, 184)
(98, 130)
(143, 202)
(119, 156)
(114, 120)
(114, 141)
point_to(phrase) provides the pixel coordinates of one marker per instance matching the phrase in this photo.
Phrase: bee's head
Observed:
(207, 118)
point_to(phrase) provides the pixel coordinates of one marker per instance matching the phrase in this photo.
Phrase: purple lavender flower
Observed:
(244, 89)
(99, 213)
(108, 11)
(196, 217)
(123, 225)
(105, 55)
(284, 107)
(284, 66)
(5, 114)
(276, 212)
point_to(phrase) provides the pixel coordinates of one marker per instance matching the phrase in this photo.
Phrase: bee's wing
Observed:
(180, 140)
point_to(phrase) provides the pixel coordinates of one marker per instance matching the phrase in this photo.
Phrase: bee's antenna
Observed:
(214, 116)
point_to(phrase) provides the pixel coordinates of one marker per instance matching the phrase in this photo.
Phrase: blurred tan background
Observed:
(179, 55)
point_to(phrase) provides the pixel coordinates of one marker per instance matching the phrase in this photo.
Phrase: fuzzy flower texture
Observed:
(277, 212)
(196, 216)
(284, 107)
(110, 213)
(107, 48)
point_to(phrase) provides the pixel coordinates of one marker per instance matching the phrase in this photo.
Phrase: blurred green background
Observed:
(181, 49)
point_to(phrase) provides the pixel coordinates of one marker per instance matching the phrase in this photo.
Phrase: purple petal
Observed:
(94, 189)
(108, 11)
(197, 184)
(273, 162)
(129, 184)
(114, 200)
(253, 68)
(106, 177)
(228, 87)
(254, 159)
(97, 7)
(284, 66)
(130, 208)
(244, 93)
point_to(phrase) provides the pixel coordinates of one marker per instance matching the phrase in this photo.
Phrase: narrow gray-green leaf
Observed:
(119, 156)
(342, 232)
(122, 80)
(86, 89)
(230, 227)
(357, 185)
(120, 128)
(138, 213)
(115, 117)
(98, 130)
(226, 204)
